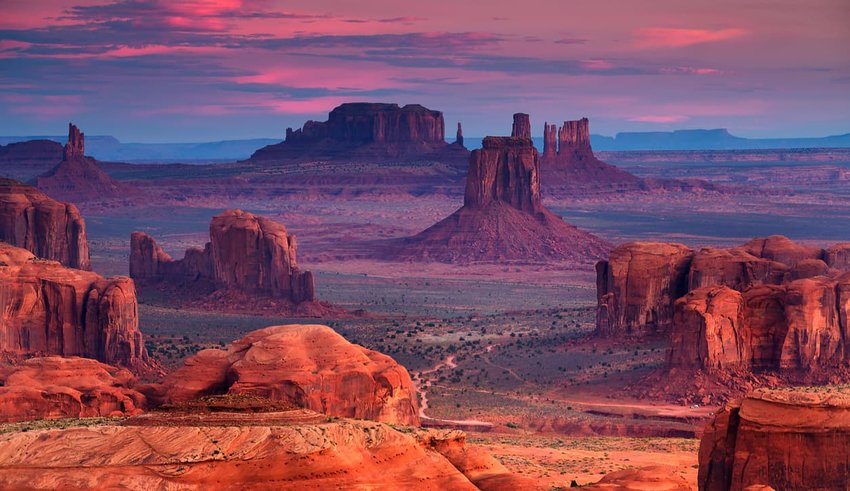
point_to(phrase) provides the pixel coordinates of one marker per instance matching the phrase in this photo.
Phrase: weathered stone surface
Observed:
(521, 127)
(367, 130)
(735, 268)
(838, 256)
(574, 137)
(782, 249)
(77, 177)
(47, 228)
(637, 285)
(782, 438)
(246, 252)
(550, 141)
(47, 308)
(310, 366)
(653, 478)
(502, 218)
(57, 387)
(709, 330)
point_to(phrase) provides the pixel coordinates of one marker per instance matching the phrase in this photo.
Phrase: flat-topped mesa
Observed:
(521, 126)
(246, 252)
(795, 438)
(366, 130)
(46, 227)
(46, 308)
(505, 169)
(76, 146)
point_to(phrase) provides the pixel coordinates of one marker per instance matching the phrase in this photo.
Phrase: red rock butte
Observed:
(47, 308)
(310, 366)
(46, 227)
(502, 218)
(246, 253)
(77, 177)
(367, 130)
(795, 438)
(768, 304)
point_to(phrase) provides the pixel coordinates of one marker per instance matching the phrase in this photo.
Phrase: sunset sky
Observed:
(158, 70)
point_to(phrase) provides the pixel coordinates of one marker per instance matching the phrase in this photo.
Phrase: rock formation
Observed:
(366, 131)
(459, 137)
(57, 387)
(521, 127)
(770, 304)
(77, 177)
(658, 477)
(223, 445)
(310, 366)
(782, 438)
(246, 253)
(47, 308)
(47, 228)
(25, 160)
(502, 218)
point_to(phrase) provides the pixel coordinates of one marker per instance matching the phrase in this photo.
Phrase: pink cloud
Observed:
(665, 37)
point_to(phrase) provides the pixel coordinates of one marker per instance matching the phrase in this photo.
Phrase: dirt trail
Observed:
(422, 384)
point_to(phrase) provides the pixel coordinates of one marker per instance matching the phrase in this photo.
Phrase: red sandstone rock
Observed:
(786, 439)
(246, 253)
(550, 141)
(637, 285)
(654, 478)
(367, 130)
(735, 268)
(307, 365)
(56, 387)
(47, 228)
(77, 177)
(284, 450)
(782, 249)
(838, 256)
(708, 330)
(521, 127)
(502, 218)
(47, 308)
(459, 136)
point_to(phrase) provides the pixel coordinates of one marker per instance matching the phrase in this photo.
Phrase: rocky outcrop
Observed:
(49, 309)
(459, 136)
(223, 448)
(782, 438)
(550, 141)
(574, 138)
(502, 218)
(367, 131)
(310, 366)
(77, 177)
(246, 252)
(709, 330)
(637, 285)
(47, 228)
(23, 161)
(57, 387)
(521, 127)
(657, 477)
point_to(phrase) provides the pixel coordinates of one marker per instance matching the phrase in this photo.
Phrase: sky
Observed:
(201, 70)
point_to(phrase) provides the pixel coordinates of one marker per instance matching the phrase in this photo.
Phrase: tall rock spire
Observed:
(550, 140)
(522, 126)
(76, 146)
(459, 139)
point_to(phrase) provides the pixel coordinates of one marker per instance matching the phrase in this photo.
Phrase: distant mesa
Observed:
(77, 177)
(779, 439)
(23, 160)
(66, 387)
(368, 131)
(770, 304)
(47, 308)
(247, 254)
(502, 218)
(46, 227)
(310, 366)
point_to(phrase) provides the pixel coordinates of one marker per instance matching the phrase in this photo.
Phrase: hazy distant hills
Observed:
(110, 148)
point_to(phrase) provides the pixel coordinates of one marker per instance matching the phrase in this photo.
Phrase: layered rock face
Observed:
(47, 228)
(246, 252)
(502, 218)
(47, 308)
(77, 177)
(310, 366)
(57, 387)
(521, 127)
(782, 438)
(768, 304)
(364, 130)
(223, 446)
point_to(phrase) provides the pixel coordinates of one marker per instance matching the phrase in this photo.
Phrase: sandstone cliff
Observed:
(367, 131)
(246, 252)
(502, 218)
(47, 308)
(77, 177)
(47, 228)
(57, 387)
(782, 438)
(310, 366)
